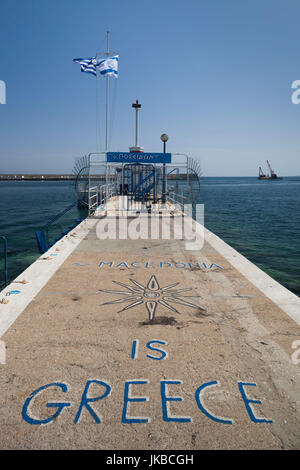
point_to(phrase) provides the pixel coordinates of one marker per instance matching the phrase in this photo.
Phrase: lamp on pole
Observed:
(164, 138)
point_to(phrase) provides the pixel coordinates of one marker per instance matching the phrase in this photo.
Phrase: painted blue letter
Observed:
(59, 405)
(163, 353)
(129, 399)
(165, 399)
(134, 350)
(247, 401)
(85, 400)
(204, 410)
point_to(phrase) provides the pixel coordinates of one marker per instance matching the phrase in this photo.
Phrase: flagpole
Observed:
(107, 95)
(107, 112)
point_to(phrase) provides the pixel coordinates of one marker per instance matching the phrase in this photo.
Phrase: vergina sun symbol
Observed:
(151, 295)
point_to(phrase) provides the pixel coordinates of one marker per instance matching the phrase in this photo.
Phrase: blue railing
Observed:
(5, 260)
(42, 236)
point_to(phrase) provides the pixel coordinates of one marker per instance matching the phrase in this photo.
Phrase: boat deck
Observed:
(216, 368)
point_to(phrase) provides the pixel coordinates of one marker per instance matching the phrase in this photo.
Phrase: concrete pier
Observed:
(145, 344)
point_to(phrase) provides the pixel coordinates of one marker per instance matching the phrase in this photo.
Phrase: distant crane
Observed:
(271, 176)
(261, 173)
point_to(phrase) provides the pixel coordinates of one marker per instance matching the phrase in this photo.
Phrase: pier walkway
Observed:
(145, 344)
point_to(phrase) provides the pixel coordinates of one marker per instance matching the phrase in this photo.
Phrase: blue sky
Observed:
(215, 75)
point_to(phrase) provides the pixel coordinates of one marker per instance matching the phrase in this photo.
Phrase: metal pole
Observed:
(107, 113)
(137, 107)
(89, 182)
(107, 93)
(136, 126)
(164, 179)
(5, 261)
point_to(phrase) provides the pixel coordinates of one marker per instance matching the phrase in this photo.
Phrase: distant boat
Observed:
(271, 176)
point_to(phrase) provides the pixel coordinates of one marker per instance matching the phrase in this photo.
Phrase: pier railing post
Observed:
(89, 182)
(5, 260)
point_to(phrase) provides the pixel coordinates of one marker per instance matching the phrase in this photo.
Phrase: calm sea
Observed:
(261, 219)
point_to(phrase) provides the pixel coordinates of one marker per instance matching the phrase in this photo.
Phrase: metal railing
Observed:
(42, 235)
(5, 260)
(93, 169)
(93, 198)
(178, 199)
(99, 195)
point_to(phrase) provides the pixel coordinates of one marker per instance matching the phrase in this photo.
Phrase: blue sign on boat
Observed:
(134, 157)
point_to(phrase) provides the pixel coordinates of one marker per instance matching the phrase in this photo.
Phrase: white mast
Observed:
(106, 119)
(107, 54)
(107, 95)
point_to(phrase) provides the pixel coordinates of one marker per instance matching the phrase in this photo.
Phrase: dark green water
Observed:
(25, 207)
(261, 219)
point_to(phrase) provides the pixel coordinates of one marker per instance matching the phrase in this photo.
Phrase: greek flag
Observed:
(107, 66)
(88, 65)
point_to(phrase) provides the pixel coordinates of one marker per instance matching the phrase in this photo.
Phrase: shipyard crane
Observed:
(261, 173)
(272, 174)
